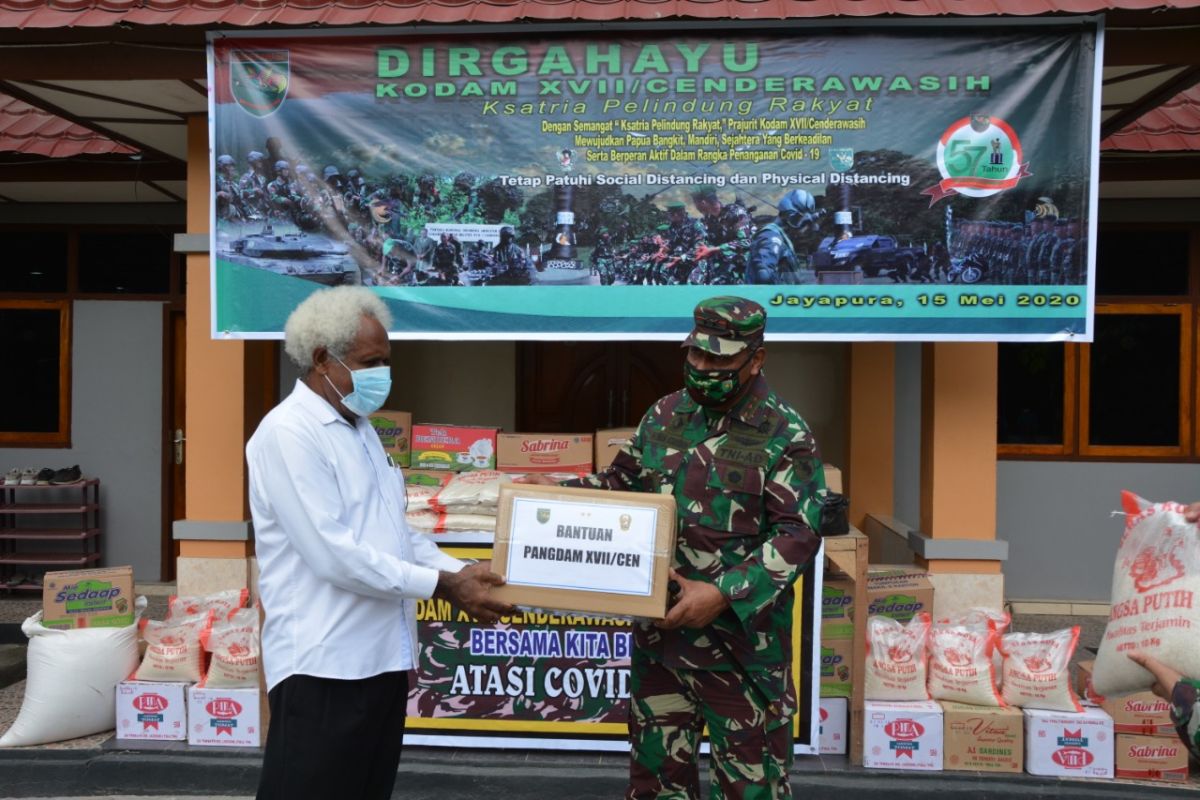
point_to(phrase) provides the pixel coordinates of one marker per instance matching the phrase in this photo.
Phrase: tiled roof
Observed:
(248, 13)
(1173, 126)
(29, 130)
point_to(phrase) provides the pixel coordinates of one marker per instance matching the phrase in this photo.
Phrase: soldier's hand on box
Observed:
(535, 478)
(470, 589)
(696, 604)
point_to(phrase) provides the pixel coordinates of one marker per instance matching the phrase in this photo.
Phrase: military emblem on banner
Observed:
(258, 80)
(841, 158)
(543, 515)
(978, 156)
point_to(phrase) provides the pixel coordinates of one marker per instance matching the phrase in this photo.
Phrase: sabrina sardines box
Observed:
(544, 452)
(224, 717)
(1141, 713)
(151, 711)
(902, 735)
(587, 550)
(453, 447)
(1151, 758)
(88, 598)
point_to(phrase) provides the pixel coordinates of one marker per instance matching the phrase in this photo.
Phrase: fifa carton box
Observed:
(902, 735)
(151, 710)
(453, 447)
(88, 598)
(544, 452)
(833, 713)
(1142, 713)
(1065, 744)
(224, 717)
(837, 667)
(899, 592)
(837, 607)
(588, 550)
(608, 442)
(1151, 758)
(395, 434)
(983, 738)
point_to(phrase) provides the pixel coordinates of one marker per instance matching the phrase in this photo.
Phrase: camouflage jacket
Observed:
(1185, 713)
(747, 486)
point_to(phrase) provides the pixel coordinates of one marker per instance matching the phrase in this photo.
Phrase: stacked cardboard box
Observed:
(983, 739)
(453, 447)
(544, 452)
(608, 443)
(1147, 747)
(395, 434)
(899, 592)
(837, 636)
(1066, 744)
(834, 717)
(903, 735)
(88, 598)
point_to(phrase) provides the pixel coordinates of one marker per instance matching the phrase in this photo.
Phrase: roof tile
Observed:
(30, 130)
(1172, 127)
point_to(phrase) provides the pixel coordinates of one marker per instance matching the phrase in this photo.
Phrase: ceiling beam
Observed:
(1131, 47)
(102, 61)
(1153, 99)
(1181, 167)
(88, 169)
(71, 90)
(33, 100)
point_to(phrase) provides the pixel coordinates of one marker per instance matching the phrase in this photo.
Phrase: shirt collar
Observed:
(316, 405)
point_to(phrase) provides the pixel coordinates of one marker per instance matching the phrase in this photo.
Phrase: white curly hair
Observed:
(330, 318)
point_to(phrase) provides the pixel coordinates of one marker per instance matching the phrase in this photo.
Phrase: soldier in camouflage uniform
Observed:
(283, 195)
(228, 195)
(253, 186)
(747, 479)
(730, 230)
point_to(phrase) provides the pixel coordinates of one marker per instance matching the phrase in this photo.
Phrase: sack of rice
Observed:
(960, 662)
(999, 622)
(479, 488)
(443, 522)
(1155, 598)
(1037, 670)
(235, 649)
(173, 649)
(896, 658)
(220, 603)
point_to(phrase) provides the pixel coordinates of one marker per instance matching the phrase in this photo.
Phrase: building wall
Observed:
(116, 426)
(1057, 518)
(907, 466)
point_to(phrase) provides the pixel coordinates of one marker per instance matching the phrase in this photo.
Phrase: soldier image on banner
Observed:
(729, 232)
(748, 483)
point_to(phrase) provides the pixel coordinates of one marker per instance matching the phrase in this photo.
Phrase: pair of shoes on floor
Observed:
(43, 477)
(12, 477)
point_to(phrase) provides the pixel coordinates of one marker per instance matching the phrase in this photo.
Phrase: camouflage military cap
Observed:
(676, 207)
(726, 326)
(705, 192)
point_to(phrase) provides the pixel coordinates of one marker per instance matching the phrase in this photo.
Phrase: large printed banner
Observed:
(557, 680)
(915, 182)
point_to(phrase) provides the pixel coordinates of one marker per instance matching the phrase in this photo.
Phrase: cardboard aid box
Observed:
(453, 447)
(395, 431)
(608, 442)
(983, 739)
(1151, 758)
(1141, 713)
(899, 592)
(88, 598)
(837, 667)
(544, 452)
(151, 710)
(833, 713)
(837, 607)
(902, 735)
(587, 550)
(1065, 744)
(224, 717)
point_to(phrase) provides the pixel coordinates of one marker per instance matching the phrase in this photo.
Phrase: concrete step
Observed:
(12, 664)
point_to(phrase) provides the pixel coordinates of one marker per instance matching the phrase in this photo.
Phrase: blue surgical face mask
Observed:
(371, 388)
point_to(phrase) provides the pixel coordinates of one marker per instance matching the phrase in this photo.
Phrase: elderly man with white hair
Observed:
(340, 569)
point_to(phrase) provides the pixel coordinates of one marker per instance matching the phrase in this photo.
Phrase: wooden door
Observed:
(174, 432)
(579, 387)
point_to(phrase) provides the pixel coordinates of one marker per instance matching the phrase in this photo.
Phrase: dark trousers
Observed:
(334, 738)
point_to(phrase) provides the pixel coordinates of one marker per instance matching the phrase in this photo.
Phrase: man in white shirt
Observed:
(340, 570)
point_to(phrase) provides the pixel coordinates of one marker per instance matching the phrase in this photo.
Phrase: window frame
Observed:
(1077, 368)
(62, 436)
(1184, 448)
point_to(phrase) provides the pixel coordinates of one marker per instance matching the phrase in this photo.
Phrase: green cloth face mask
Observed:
(713, 387)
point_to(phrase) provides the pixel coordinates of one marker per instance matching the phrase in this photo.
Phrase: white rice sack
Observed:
(235, 648)
(896, 658)
(1155, 598)
(1037, 670)
(999, 622)
(421, 498)
(71, 683)
(220, 603)
(480, 488)
(960, 662)
(436, 522)
(173, 649)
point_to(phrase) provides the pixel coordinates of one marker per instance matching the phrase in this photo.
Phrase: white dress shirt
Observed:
(339, 567)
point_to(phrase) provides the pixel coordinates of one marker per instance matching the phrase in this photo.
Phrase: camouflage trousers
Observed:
(750, 751)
